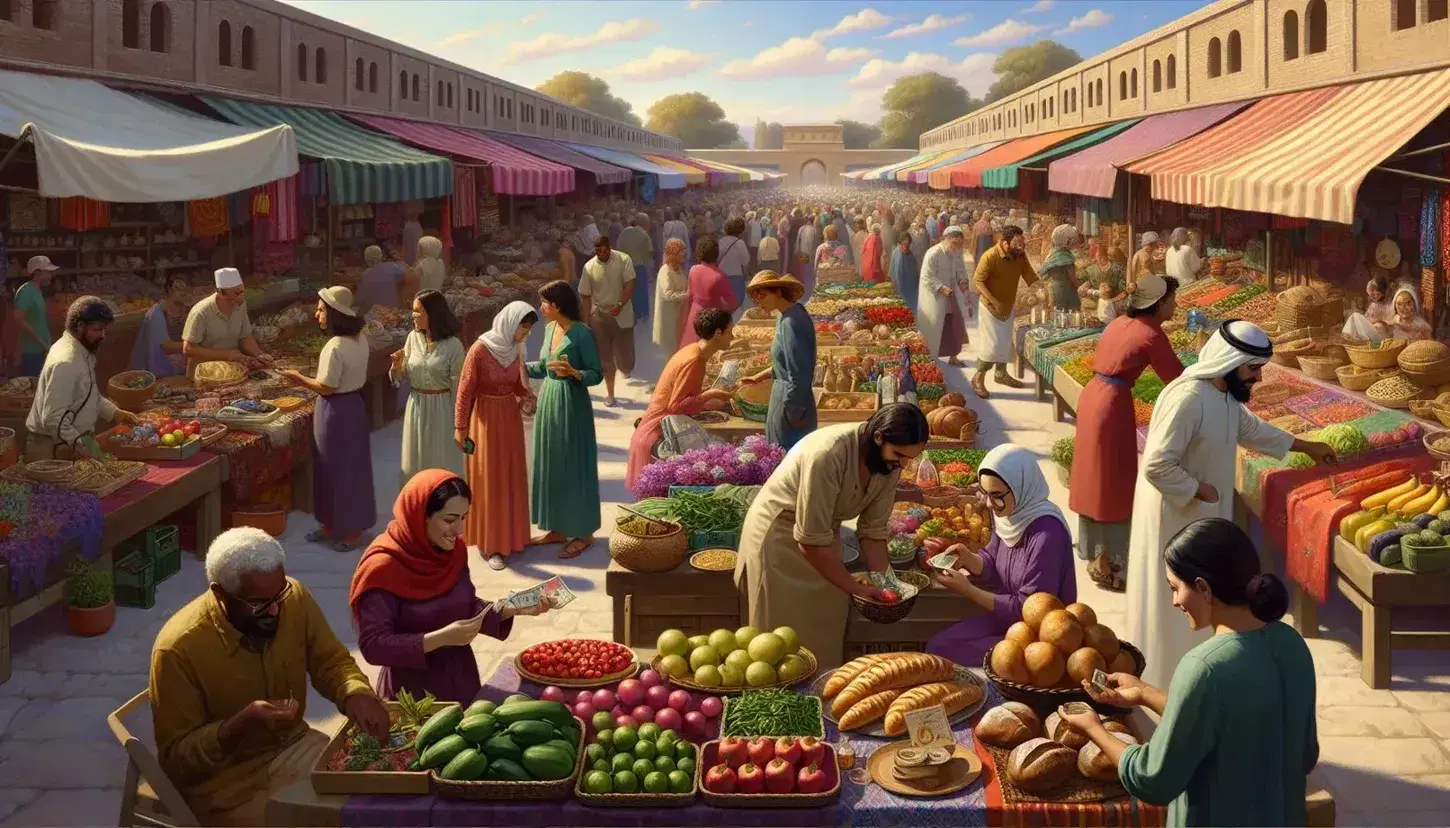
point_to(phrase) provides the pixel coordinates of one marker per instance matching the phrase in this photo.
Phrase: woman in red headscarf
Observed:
(412, 599)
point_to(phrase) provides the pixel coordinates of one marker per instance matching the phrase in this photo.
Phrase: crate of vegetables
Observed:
(355, 763)
(784, 772)
(521, 749)
(643, 767)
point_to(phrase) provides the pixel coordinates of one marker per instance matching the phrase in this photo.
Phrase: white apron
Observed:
(994, 336)
(1107, 310)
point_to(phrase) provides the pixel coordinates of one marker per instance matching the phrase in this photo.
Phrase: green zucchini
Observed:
(548, 763)
(564, 745)
(507, 770)
(480, 706)
(517, 697)
(554, 713)
(477, 729)
(442, 752)
(440, 724)
(468, 764)
(500, 746)
(569, 734)
(531, 732)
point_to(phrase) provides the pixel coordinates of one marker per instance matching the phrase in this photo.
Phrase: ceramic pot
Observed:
(88, 623)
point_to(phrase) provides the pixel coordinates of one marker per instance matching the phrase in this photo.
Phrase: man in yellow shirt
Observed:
(999, 270)
(229, 677)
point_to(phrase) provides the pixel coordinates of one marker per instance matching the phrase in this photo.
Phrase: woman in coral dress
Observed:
(488, 412)
(709, 288)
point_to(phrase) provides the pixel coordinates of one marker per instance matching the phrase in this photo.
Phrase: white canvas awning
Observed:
(93, 141)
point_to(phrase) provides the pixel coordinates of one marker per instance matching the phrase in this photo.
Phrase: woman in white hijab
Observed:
(491, 396)
(431, 270)
(672, 287)
(1407, 322)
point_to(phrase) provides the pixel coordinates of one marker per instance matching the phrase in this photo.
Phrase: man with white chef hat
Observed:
(218, 328)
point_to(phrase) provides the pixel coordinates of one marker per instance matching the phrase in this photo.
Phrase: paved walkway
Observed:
(1385, 754)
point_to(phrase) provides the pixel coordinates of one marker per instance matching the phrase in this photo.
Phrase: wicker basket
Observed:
(942, 497)
(1385, 356)
(1431, 438)
(483, 790)
(1289, 353)
(1355, 378)
(1426, 362)
(1321, 367)
(127, 398)
(812, 666)
(1064, 475)
(1050, 698)
(1442, 413)
(648, 553)
(710, 756)
(891, 613)
(641, 800)
(1393, 392)
(219, 374)
(752, 401)
(50, 471)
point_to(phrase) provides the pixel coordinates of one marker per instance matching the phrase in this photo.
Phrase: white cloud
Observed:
(1040, 6)
(797, 57)
(974, 72)
(470, 35)
(862, 21)
(664, 63)
(1005, 33)
(934, 23)
(695, 5)
(552, 43)
(1094, 19)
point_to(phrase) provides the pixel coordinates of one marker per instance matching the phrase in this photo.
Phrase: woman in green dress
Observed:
(565, 501)
(1060, 269)
(1237, 735)
(431, 360)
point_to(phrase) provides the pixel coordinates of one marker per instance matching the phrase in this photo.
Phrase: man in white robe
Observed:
(941, 312)
(1187, 474)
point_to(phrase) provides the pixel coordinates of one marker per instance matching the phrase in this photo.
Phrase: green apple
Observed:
(766, 647)
(707, 675)
(675, 666)
(698, 641)
(744, 635)
(701, 656)
(732, 676)
(672, 642)
(760, 674)
(790, 637)
(740, 659)
(723, 641)
(792, 668)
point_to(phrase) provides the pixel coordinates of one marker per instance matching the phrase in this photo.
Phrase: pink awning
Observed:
(515, 172)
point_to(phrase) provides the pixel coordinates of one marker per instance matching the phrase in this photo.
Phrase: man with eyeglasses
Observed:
(218, 328)
(229, 678)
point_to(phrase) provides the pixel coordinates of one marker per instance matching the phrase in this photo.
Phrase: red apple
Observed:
(720, 779)
(779, 776)
(749, 779)
(889, 596)
(788, 749)
(811, 780)
(813, 750)
(761, 750)
(733, 751)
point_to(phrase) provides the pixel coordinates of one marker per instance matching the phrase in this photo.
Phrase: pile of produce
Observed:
(890, 685)
(624, 759)
(636, 702)
(1045, 755)
(747, 464)
(361, 752)
(521, 740)
(969, 522)
(1062, 452)
(635, 525)
(1057, 646)
(783, 765)
(746, 657)
(773, 712)
(1406, 515)
(147, 435)
(576, 658)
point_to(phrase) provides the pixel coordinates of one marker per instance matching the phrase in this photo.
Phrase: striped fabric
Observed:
(558, 153)
(465, 195)
(920, 173)
(890, 171)
(693, 174)
(669, 179)
(969, 173)
(362, 167)
(1005, 177)
(1303, 154)
(741, 174)
(514, 171)
(1092, 172)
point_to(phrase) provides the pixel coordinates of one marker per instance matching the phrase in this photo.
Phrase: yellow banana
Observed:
(1440, 505)
(1384, 497)
(1399, 503)
(1422, 503)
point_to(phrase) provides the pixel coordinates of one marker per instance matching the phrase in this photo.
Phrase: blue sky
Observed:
(782, 60)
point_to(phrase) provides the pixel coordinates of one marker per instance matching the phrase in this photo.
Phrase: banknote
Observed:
(942, 560)
(554, 591)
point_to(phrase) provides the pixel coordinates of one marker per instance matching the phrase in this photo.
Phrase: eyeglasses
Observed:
(263, 607)
(997, 498)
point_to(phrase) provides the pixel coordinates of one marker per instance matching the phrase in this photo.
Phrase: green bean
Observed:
(772, 713)
(706, 512)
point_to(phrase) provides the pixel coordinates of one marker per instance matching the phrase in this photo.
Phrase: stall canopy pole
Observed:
(1420, 151)
(1410, 174)
(20, 140)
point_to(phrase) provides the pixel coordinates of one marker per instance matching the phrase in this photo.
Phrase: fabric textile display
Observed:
(388, 220)
(285, 216)
(27, 213)
(208, 216)
(465, 199)
(80, 214)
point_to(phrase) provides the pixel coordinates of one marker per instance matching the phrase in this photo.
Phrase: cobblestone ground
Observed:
(1385, 754)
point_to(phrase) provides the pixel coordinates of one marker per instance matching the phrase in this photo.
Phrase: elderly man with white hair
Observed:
(635, 242)
(1187, 474)
(218, 328)
(229, 678)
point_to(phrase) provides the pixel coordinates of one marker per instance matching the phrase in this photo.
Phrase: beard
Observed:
(876, 461)
(1238, 387)
(260, 628)
(92, 345)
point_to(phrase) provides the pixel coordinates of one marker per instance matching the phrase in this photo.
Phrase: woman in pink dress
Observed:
(709, 288)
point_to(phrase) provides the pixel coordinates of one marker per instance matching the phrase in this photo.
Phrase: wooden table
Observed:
(733, 429)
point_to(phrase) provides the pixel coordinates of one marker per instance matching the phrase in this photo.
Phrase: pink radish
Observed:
(584, 710)
(694, 722)
(669, 719)
(618, 710)
(711, 706)
(604, 698)
(552, 693)
(643, 713)
(584, 696)
(625, 721)
(680, 700)
(657, 696)
(649, 678)
(631, 692)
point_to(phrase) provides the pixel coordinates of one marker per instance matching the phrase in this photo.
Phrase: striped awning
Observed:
(693, 174)
(892, 172)
(1092, 172)
(514, 171)
(669, 179)
(558, 153)
(1005, 176)
(363, 167)
(969, 173)
(919, 173)
(1301, 155)
(743, 173)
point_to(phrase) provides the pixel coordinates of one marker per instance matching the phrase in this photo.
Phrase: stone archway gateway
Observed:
(814, 172)
(810, 154)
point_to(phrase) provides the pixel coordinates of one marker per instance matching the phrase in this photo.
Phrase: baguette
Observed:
(868, 710)
(954, 697)
(843, 675)
(897, 671)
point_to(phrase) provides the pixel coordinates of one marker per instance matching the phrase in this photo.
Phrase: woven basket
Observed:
(648, 553)
(1392, 393)
(1424, 409)
(127, 398)
(1432, 438)
(1050, 698)
(1322, 367)
(641, 800)
(891, 613)
(1426, 362)
(1355, 378)
(942, 497)
(207, 378)
(50, 471)
(482, 790)
(1064, 475)
(710, 756)
(1385, 356)
(1288, 354)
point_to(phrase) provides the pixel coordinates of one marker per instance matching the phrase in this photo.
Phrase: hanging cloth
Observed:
(208, 216)
(465, 198)
(388, 220)
(80, 213)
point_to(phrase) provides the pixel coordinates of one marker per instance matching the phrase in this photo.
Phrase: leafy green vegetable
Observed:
(1062, 452)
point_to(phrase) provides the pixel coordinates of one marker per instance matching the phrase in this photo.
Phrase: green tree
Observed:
(857, 135)
(694, 118)
(588, 92)
(1022, 66)
(918, 103)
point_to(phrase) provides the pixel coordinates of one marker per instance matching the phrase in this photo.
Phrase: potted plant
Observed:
(90, 599)
(1062, 456)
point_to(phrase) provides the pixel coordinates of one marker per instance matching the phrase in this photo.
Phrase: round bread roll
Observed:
(1021, 633)
(1094, 764)
(1083, 613)
(1009, 661)
(1058, 730)
(1039, 765)
(1045, 664)
(1082, 663)
(1115, 726)
(1037, 606)
(1008, 725)
(1102, 639)
(1123, 663)
(1060, 629)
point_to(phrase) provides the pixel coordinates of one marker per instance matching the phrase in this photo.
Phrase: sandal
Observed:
(575, 548)
(979, 385)
(319, 535)
(495, 562)
(1105, 575)
(347, 545)
(546, 539)
(1008, 380)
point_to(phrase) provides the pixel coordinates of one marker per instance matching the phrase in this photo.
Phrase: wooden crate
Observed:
(846, 415)
(107, 441)
(402, 783)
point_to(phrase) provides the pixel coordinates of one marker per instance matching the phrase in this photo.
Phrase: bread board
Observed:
(964, 768)
(964, 675)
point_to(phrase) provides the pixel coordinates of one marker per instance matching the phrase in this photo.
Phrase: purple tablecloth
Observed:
(866, 806)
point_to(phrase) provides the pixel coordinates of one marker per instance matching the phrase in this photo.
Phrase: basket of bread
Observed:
(218, 374)
(1045, 657)
(872, 694)
(1045, 759)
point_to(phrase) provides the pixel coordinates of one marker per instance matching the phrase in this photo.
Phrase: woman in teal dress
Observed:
(792, 412)
(1237, 735)
(565, 501)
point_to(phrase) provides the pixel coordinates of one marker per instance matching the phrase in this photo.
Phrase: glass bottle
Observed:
(907, 388)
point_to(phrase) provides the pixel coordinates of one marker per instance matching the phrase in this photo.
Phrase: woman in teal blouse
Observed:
(565, 489)
(1237, 736)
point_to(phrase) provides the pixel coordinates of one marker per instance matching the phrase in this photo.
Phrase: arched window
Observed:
(450, 96)
(1316, 25)
(403, 85)
(1215, 58)
(224, 44)
(438, 96)
(43, 14)
(357, 74)
(1172, 71)
(1074, 100)
(1098, 93)
(131, 24)
(1434, 10)
(249, 48)
(1403, 15)
(302, 61)
(417, 95)
(373, 78)
(320, 76)
(1235, 53)
(1157, 76)
(1133, 84)
(160, 28)
(1291, 35)
(1122, 85)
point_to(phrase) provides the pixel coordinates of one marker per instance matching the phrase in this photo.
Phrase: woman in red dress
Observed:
(1105, 455)
(708, 289)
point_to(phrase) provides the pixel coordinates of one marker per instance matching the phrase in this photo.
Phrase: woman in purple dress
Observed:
(413, 602)
(1031, 551)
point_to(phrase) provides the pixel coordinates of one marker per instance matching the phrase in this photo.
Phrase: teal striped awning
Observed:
(1005, 177)
(363, 167)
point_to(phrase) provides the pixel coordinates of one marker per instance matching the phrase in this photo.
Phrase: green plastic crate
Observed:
(135, 576)
(163, 547)
(714, 540)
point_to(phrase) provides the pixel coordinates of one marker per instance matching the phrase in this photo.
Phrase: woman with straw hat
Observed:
(792, 412)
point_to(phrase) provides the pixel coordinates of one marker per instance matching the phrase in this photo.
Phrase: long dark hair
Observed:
(441, 322)
(340, 324)
(446, 491)
(561, 294)
(1221, 554)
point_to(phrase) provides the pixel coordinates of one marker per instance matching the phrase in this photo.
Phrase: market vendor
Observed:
(790, 545)
(218, 327)
(1187, 474)
(1181, 261)
(998, 272)
(1408, 323)
(1374, 324)
(1030, 552)
(792, 412)
(1144, 261)
(230, 673)
(68, 397)
(382, 282)
(413, 601)
(1059, 268)
(158, 343)
(680, 387)
(34, 323)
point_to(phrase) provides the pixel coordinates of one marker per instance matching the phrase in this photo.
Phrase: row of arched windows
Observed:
(159, 30)
(1316, 30)
(1403, 15)
(44, 14)
(1172, 79)
(372, 76)
(319, 62)
(224, 46)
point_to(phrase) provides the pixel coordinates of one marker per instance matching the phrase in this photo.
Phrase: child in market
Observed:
(1374, 323)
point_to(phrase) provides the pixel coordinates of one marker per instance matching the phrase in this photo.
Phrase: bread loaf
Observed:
(1039, 765)
(1094, 764)
(869, 709)
(897, 671)
(954, 697)
(1058, 730)
(842, 677)
(1009, 725)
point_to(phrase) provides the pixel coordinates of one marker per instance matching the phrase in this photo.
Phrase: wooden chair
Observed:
(149, 798)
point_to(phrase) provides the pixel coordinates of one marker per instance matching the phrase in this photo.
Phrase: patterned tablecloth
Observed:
(1033, 341)
(255, 462)
(980, 804)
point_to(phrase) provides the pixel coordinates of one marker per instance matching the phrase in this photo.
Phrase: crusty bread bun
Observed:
(1084, 614)
(1094, 764)
(1009, 660)
(1021, 633)
(1008, 725)
(1123, 663)
(1102, 639)
(1045, 664)
(1060, 629)
(1081, 664)
(1115, 726)
(1058, 730)
(1039, 765)
(1037, 606)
